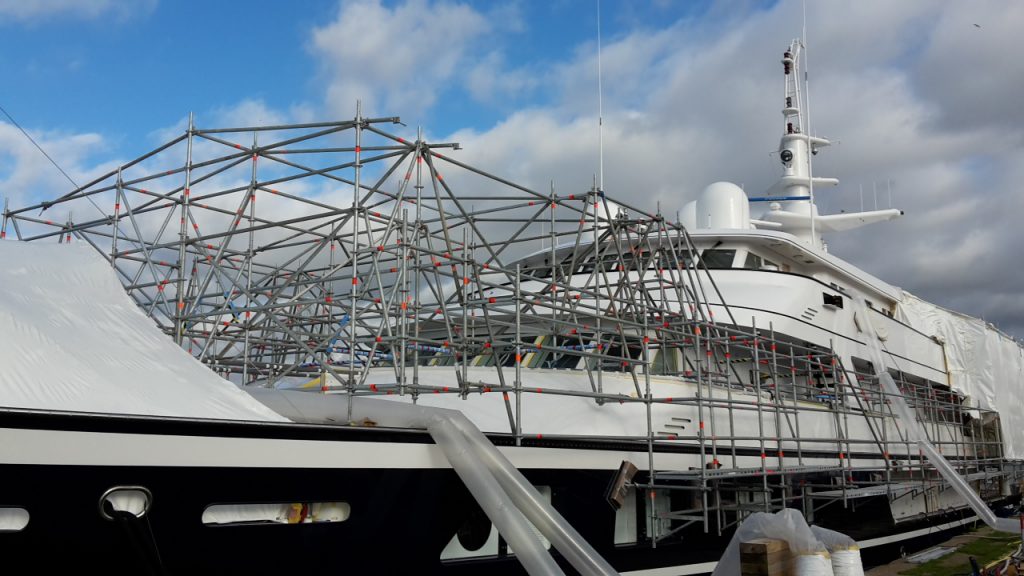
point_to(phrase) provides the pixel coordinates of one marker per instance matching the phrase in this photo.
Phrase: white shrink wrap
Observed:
(984, 363)
(915, 432)
(74, 341)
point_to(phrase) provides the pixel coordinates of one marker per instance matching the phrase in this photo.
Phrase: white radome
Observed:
(720, 206)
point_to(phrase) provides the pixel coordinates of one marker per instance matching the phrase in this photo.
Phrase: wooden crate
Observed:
(765, 557)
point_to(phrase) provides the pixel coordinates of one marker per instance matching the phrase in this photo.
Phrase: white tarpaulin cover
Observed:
(72, 340)
(983, 363)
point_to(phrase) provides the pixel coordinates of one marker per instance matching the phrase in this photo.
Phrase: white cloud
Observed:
(40, 10)
(26, 176)
(913, 92)
(972, 72)
(490, 81)
(249, 112)
(398, 58)
(907, 90)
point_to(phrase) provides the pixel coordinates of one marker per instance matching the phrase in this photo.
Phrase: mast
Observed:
(792, 206)
(797, 147)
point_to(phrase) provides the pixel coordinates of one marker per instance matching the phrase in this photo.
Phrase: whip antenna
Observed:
(600, 108)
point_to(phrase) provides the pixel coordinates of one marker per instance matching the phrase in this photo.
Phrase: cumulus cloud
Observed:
(491, 81)
(915, 95)
(249, 112)
(27, 176)
(398, 58)
(963, 68)
(39, 10)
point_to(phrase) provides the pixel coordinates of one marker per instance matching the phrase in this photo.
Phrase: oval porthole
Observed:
(13, 519)
(276, 513)
(134, 500)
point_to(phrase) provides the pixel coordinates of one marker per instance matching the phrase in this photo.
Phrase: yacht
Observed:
(456, 374)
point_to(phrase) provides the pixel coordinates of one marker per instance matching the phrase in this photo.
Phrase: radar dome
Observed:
(723, 205)
(688, 216)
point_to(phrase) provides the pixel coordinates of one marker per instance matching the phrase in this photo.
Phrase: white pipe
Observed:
(562, 535)
(509, 500)
(487, 491)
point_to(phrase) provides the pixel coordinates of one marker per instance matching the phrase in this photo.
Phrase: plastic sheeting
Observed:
(847, 562)
(813, 564)
(844, 550)
(915, 433)
(74, 341)
(786, 524)
(983, 363)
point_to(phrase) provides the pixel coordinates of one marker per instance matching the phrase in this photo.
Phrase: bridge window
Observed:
(717, 258)
(755, 262)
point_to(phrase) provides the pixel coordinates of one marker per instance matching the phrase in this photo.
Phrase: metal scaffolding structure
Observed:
(331, 251)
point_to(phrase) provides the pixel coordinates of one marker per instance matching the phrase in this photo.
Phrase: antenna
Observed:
(600, 108)
(40, 148)
(806, 120)
(48, 157)
(803, 26)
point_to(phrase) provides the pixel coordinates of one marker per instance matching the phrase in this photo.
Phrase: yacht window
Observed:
(562, 360)
(611, 262)
(276, 513)
(833, 300)
(715, 258)
(755, 262)
(13, 519)
(545, 269)
(680, 258)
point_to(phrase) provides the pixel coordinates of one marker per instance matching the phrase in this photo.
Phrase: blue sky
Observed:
(127, 71)
(923, 94)
(134, 72)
